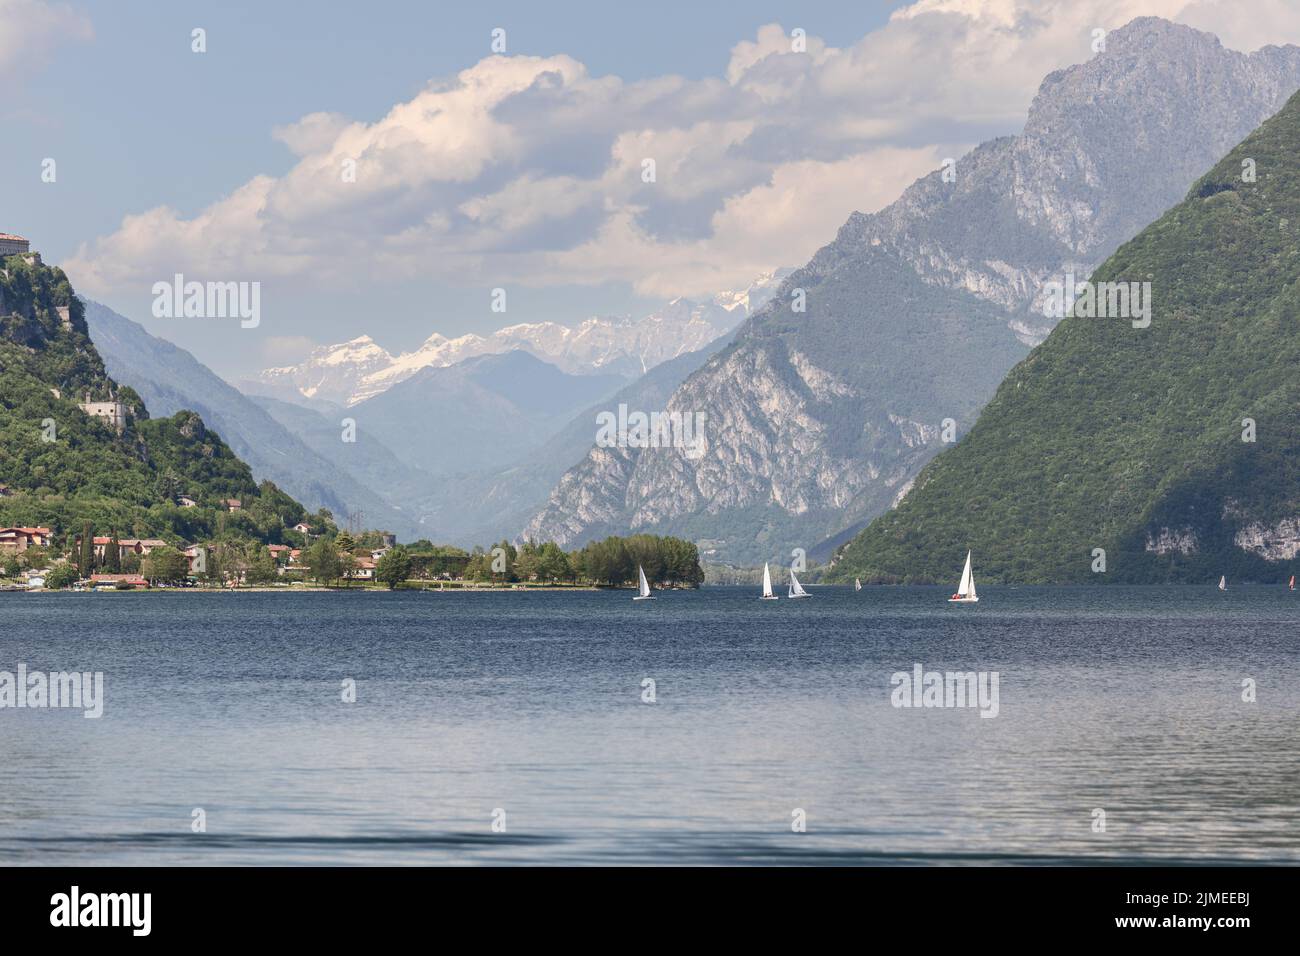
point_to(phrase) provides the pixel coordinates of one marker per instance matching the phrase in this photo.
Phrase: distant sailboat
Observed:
(966, 590)
(645, 594)
(857, 584)
(796, 589)
(767, 585)
(1223, 582)
(1291, 586)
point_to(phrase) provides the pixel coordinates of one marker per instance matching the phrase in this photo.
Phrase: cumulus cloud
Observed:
(529, 170)
(29, 29)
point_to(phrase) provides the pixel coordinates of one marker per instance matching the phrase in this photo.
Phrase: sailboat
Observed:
(767, 585)
(966, 590)
(1223, 582)
(857, 584)
(796, 589)
(1291, 586)
(644, 586)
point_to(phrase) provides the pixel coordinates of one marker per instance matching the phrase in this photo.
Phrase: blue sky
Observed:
(762, 153)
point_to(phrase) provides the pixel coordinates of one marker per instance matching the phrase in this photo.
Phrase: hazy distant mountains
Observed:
(489, 505)
(1140, 454)
(351, 372)
(462, 454)
(170, 379)
(818, 420)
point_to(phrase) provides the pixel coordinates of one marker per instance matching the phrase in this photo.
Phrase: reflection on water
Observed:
(1127, 700)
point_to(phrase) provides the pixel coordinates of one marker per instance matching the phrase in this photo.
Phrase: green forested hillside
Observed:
(63, 468)
(1131, 439)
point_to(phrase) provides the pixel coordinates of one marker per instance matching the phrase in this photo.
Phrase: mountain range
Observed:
(884, 347)
(495, 433)
(352, 372)
(1140, 454)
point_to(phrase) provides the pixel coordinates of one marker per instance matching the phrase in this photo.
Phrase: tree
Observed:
(261, 570)
(323, 561)
(165, 564)
(34, 558)
(393, 568)
(86, 560)
(62, 575)
(113, 555)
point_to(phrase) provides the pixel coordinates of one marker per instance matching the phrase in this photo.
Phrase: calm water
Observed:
(1127, 699)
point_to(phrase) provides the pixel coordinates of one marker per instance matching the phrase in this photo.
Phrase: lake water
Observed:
(1127, 700)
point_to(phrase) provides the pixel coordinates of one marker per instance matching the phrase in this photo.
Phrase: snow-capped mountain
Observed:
(354, 371)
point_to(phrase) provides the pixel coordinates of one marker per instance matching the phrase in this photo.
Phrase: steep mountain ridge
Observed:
(79, 448)
(819, 419)
(1140, 454)
(170, 379)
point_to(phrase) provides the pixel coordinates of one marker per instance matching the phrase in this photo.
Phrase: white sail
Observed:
(966, 589)
(796, 589)
(1223, 582)
(857, 584)
(767, 581)
(967, 586)
(645, 585)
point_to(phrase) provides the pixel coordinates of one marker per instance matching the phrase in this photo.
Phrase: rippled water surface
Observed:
(1123, 699)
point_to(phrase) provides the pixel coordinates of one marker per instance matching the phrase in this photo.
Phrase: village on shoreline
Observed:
(32, 560)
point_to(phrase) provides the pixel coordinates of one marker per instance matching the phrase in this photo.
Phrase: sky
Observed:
(380, 168)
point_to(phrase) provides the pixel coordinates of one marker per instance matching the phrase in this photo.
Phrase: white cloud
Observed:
(29, 29)
(528, 170)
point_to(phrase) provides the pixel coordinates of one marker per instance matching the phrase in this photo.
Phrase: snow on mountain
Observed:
(354, 371)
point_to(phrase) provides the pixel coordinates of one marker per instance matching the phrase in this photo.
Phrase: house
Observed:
(16, 540)
(295, 556)
(112, 580)
(364, 570)
(378, 553)
(198, 556)
(232, 504)
(387, 539)
(112, 413)
(127, 546)
(185, 501)
(280, 552)
(11, 245)
(302, 528)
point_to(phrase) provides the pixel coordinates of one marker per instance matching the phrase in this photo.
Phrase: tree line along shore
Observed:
(338, 560)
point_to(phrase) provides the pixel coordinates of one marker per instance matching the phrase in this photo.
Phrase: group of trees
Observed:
(666, 560)
(612, 561)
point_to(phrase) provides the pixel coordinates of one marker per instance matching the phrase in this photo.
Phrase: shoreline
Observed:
(301, 589)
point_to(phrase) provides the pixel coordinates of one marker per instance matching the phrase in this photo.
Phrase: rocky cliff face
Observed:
(819, 419)
(1139, 454)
